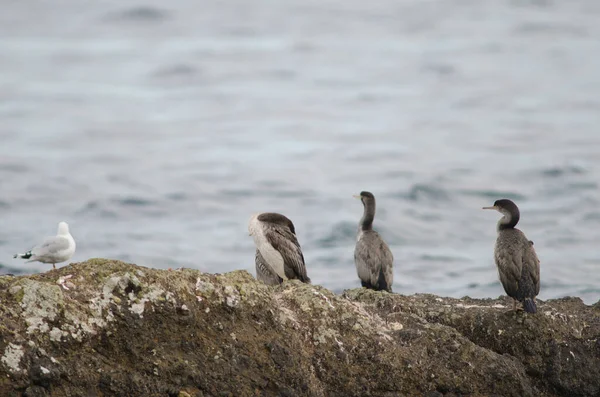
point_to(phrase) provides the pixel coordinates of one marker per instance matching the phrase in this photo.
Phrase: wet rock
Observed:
(129, 330)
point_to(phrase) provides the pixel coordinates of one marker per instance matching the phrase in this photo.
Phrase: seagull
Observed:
(55, 249)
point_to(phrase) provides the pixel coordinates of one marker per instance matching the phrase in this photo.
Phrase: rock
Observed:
(129, 330)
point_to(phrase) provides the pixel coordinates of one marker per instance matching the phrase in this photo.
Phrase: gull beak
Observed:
(356, 196)
(491, 208)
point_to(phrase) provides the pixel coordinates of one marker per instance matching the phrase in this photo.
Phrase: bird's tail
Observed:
(26, 255)
(529, 305)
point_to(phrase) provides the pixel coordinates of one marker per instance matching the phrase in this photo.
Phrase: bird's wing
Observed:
(286, 243)
(532, 265)
(510, 265)
(371, 256)
(264, 272)
(388, 263)
(364, 268)
(50, 246)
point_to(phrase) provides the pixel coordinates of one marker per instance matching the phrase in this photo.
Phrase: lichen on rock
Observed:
(12, 357)
(41, 303)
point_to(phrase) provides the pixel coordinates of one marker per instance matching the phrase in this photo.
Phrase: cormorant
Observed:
(517, 262)
(372, 256)
(278, 254)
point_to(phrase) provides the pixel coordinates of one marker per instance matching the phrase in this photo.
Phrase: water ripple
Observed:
(341, 233)
(139, 14)
(493, 194)
(424, 192)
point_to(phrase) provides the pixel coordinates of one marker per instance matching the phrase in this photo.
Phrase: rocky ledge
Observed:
(107, 328)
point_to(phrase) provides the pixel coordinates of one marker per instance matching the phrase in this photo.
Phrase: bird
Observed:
(372, 256)
(517, 262)
(54, 249)
(278, 253)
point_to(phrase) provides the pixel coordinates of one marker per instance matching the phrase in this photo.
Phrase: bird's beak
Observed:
(491, 208)
(356, 196)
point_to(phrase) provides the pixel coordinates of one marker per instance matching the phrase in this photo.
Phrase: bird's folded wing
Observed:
(532, 265)
(509, 268)
(284, 241)
(51, 246)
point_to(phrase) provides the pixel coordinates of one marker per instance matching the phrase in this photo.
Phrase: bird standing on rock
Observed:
(55, 249)
(517, 262)
(372, 256)
(278, 254)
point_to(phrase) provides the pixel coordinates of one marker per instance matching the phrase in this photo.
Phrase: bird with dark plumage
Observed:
(517, 262)
(372, 256)
(278, 254)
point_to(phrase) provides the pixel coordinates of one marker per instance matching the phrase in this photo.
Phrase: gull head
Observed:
(63, 228)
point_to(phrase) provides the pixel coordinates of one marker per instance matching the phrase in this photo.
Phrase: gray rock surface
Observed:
(125, 330)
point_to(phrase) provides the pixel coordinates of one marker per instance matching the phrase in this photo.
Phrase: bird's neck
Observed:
(366, 222)
(508, 221)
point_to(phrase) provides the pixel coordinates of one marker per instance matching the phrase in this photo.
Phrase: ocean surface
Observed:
(156, 129)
